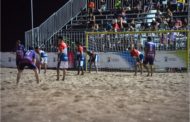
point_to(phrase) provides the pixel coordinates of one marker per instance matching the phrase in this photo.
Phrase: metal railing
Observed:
(55, 23)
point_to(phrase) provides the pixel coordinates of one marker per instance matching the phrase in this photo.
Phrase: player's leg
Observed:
(151, 70)
(90, 62)
(64, 74)
(136, 65)
(17, 64)
(82, 67)
(141, 67)
(141, 63)
(78, 63)
(65, 67)
(45, 65)
(35, 69)
(20, 70)
(18, 76)
(96, 67)
(39, 67)
(145, 62)
(151, 65)
(58, 68)
(36, 75)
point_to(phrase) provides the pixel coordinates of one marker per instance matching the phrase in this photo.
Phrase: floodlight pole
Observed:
(32, 23)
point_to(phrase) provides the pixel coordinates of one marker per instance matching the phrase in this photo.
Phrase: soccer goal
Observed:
(172, 49)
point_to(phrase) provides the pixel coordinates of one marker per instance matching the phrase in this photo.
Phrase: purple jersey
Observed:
(150, 48)
(30, 55)
(20, 52)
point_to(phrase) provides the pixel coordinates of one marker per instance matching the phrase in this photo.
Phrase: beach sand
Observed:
(102, 97)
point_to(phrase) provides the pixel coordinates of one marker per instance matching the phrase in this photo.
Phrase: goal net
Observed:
(172, 49)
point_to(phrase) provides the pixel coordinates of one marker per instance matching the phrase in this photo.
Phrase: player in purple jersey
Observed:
(19, 52)
(149, 52)
(29, 61)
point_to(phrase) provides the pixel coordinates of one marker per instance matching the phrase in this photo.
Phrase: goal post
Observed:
(172, 49)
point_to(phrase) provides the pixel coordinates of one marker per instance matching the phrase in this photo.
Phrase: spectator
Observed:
(115, 25)
(178, 23)
(122, 22)
(185, 23)
(173, 5)
(108, 26)
(91, 6)
(169, 13)
(154, 24)
(163, 24)
(118, 4)
(132, 25)
(127, 5)
(92, 20)
(95, 27)
(102, 6)
(148, 6)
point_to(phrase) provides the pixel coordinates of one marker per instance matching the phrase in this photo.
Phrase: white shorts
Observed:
(64, 65)
(80, 63)
(44, 60)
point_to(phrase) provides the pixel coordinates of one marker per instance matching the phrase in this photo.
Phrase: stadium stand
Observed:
(109, 15)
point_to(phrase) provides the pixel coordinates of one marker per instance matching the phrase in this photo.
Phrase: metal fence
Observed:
(54, 23)
(70, 37)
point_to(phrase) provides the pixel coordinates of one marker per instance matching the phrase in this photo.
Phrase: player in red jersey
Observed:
(138, 56)
(62, 57)
(80, 58)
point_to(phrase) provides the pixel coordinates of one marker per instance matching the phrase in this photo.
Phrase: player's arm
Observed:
(145, 49)
(154, 50)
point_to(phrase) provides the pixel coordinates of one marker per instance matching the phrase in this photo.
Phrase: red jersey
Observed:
(135, 53)
(62, 46)
(80, 49)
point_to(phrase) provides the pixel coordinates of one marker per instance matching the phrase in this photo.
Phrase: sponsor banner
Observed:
(123, 60)
(111, 60)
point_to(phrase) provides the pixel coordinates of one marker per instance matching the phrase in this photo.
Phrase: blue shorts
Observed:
(140, 58)
(62, 57)
(26, 62)
(149, 60)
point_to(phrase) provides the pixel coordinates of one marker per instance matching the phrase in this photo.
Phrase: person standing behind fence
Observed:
(62, 57)
(80, 59)
(20, 50)
(150, 52)
(91, 7)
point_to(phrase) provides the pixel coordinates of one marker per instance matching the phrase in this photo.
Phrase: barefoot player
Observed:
(150, 52)
(92, 60)
(43, 59)
(62, 57)
(80, 59)
(28, 60)
(20, 50)
(138, 56)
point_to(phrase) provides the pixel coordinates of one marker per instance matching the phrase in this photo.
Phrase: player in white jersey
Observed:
(43, 59)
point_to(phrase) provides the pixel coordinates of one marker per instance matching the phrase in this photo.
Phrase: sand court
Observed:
(102, 97)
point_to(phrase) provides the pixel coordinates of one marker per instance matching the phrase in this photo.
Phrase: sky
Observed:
(16, 18)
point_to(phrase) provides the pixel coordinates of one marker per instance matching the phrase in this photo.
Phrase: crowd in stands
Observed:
(170, 14)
